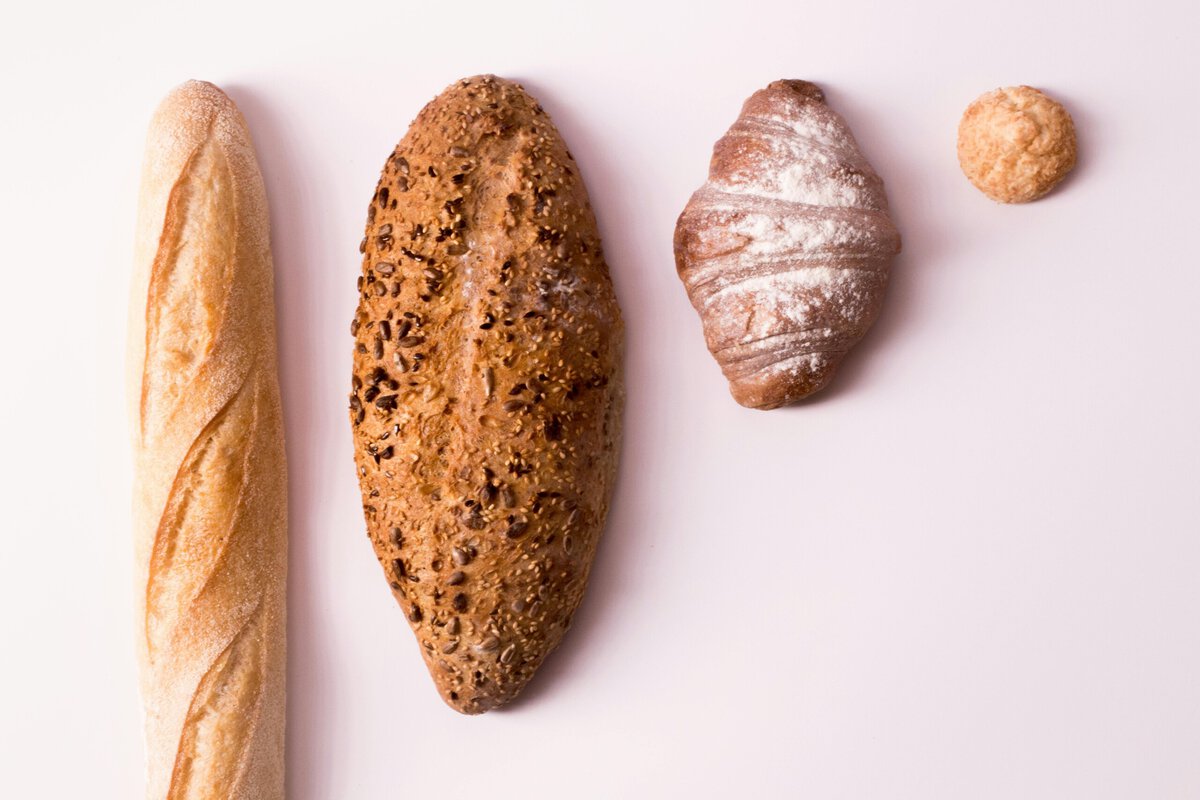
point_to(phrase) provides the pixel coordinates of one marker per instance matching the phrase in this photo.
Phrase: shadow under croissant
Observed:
(900, 304)
(922, 246)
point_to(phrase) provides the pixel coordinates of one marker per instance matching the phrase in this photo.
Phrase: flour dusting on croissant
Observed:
(785, 249)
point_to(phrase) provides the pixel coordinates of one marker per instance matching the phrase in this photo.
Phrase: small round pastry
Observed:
(1016, 144)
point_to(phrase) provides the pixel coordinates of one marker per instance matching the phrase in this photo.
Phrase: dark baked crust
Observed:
(487, 391)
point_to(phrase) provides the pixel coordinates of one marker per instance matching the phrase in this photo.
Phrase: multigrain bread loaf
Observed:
(487, 388)
(785, 250)
(210, 504)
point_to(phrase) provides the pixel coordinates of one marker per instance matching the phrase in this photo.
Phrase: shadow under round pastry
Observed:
(1015, 144)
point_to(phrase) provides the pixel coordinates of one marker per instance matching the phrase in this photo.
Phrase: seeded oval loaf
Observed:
(487, 390)
(210, 484)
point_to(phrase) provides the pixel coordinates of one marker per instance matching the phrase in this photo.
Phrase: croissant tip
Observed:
(767, 395)
(806, 89)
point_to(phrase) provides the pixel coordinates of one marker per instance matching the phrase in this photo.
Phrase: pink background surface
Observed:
(969, 569)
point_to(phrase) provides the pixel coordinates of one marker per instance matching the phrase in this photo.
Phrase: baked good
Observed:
(785, 249)
(210, 494)
(486, 398)
(1016, 144)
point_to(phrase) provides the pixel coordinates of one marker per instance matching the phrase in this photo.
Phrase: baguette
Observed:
(487, 391)
(210, 496)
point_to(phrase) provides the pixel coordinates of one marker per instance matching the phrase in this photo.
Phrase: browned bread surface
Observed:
(785, 250)
(1016, 144)
(487, 390)
(210, 504)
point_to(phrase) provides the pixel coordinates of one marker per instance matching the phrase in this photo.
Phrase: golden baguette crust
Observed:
(210, 494)
(487, 388)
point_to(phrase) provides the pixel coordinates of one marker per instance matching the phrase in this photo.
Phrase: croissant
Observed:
(785, 249)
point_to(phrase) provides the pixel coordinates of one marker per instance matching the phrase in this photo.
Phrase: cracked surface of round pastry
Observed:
(1015, 144)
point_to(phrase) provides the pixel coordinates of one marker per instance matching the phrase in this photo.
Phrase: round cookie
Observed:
(1016, 144)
